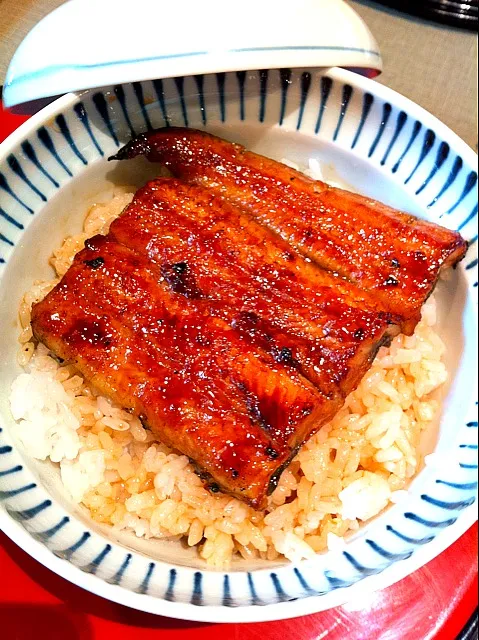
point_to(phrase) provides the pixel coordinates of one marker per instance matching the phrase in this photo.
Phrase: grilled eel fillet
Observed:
(393, 255)
(230, 407)
(235, 269)
(230, 347)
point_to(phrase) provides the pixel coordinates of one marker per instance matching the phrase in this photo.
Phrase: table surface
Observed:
(435, 66)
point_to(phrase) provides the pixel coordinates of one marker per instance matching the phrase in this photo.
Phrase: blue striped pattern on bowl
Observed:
(407, 145)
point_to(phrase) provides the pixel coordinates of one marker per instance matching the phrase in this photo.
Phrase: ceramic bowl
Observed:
(381, 144)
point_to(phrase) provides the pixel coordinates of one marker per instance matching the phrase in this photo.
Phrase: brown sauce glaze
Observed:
(234, 319)
(342, 232)
(280, 303)
(192, 377)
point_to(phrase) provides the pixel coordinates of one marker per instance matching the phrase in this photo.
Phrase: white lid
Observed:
(94, 43)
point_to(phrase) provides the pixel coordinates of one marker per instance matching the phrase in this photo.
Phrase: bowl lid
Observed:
(85, 43)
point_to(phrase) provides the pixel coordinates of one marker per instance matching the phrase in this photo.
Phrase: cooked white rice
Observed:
(345, 475)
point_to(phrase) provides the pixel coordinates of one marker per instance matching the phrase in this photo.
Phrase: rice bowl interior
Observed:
(161, 499)
(152, 565)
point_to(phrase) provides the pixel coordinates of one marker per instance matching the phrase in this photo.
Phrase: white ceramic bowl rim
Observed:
(221, 614)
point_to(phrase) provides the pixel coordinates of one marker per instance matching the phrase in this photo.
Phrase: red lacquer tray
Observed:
(437, 602)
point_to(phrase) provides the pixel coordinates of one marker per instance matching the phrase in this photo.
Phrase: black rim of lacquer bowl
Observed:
(459, 13)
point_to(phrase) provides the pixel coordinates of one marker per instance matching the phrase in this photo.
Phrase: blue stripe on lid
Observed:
(65, 67)
(62, 67)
